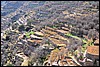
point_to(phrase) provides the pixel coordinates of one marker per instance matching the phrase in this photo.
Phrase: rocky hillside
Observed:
(50, 33)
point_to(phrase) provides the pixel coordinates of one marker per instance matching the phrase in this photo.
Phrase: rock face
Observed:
(93, 54)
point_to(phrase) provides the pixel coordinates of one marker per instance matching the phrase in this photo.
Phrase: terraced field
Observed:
(53, 34)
